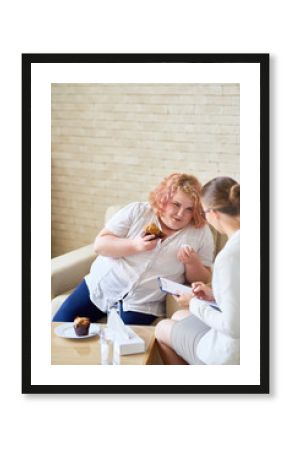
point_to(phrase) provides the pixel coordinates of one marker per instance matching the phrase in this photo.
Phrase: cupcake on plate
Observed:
(82, 326)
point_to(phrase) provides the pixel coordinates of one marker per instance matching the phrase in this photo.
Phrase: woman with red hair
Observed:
(130, 261)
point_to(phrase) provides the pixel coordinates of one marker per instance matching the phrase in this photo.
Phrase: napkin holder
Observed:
(126, 341)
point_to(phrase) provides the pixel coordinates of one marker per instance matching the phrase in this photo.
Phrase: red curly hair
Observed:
(164, 192)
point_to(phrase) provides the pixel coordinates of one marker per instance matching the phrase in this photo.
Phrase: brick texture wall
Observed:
(112, 143)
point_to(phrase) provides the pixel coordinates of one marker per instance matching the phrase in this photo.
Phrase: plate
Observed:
(66, 330)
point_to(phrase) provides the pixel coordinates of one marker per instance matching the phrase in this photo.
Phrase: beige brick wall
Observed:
(112, 143)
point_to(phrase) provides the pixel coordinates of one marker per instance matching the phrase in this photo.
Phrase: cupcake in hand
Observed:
(153, 229)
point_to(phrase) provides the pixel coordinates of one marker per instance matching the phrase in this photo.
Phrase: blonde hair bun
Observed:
(222, 194)
(234, 195)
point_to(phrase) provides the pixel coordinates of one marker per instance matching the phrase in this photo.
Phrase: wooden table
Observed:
(88, 351)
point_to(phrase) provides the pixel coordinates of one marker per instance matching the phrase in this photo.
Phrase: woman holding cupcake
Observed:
(166, 236)
(200, 333)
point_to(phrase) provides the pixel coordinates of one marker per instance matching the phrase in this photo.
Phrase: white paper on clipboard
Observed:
(170, 287)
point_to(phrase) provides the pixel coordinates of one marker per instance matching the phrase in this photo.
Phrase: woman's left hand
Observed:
(186, 255)
(184, 299)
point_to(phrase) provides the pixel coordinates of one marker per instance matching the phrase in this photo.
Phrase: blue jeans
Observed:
(80, 304)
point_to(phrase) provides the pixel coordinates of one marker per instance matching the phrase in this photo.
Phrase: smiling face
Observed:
(178, 212)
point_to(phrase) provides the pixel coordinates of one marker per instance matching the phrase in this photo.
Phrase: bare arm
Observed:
(194, 268)
(197, 272)
(108, 244)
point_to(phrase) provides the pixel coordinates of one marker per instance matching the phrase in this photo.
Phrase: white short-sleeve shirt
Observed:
(133, 279)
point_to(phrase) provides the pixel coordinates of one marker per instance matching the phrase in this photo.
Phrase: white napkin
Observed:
(116, 326)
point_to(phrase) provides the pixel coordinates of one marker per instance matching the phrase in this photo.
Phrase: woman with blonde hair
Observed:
(130, 260)
(202, 333)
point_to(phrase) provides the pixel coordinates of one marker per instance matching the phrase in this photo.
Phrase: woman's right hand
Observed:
(109, 244)
(202, 291)
(145, 243)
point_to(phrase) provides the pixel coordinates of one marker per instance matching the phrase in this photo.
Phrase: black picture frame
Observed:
(247, 58)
